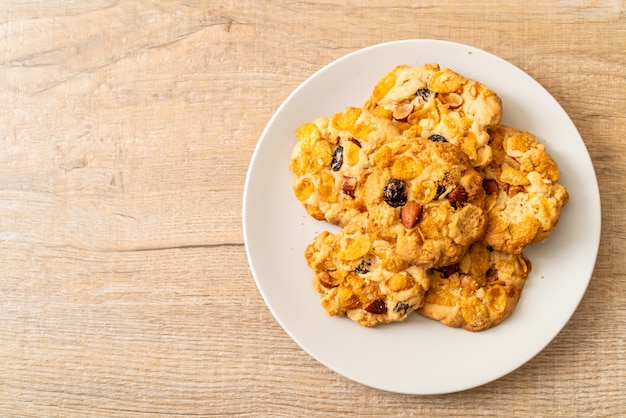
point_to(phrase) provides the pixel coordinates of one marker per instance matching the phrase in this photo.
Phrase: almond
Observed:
(453, 100)
(410, 214)
(377, 306)
(458, 195)
(349, 184)
(513, 190)
(403, 111)
(327, 281)
(512, 162)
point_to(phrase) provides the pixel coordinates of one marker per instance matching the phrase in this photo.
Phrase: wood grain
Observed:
(126, 131)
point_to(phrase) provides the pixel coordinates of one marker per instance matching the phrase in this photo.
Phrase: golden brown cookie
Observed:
(477, 293)
(332, 159)
(524, 198)
(426, 199)
(439, 102)
(362, 278)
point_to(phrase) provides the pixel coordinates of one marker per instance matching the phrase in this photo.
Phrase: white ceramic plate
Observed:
(418, 356)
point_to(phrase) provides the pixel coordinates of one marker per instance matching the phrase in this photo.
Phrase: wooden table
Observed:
(127, 128)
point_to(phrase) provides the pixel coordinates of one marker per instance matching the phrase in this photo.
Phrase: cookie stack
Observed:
(436, 200)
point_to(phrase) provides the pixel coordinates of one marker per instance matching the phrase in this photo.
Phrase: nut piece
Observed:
(327, 281)
(513, 190)
(512, 162)
(458, 195)
(377, 306)
(349, 184)
(403, 111)
(453, 100)
(473, 90)
(410, 214)
(449, 270)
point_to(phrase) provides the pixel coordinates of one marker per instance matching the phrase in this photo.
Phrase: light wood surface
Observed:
(126, 130)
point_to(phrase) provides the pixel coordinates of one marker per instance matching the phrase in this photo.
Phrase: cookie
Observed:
(331, 159)
(426, 199)
(439, 102)
(479, 292)
(524, 198)
(362, 278)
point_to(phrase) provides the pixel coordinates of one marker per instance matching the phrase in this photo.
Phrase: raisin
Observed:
(395, 193)
(491, 275)
(441, 189)
(490, 186)
(437, 138)
(337, 161)
(423, 93)
(401, 307)
(447, 271)
(362, 268)
(377, 306)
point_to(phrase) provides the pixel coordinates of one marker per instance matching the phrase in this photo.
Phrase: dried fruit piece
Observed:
(377, 306)
(423, 93)
(401, 307)
(441, 189)
(437, 138)
(363, 267)
(447, 271)
(337, 161)
(490, 186)
(394, 193)
(491, 275)
(410, 214)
